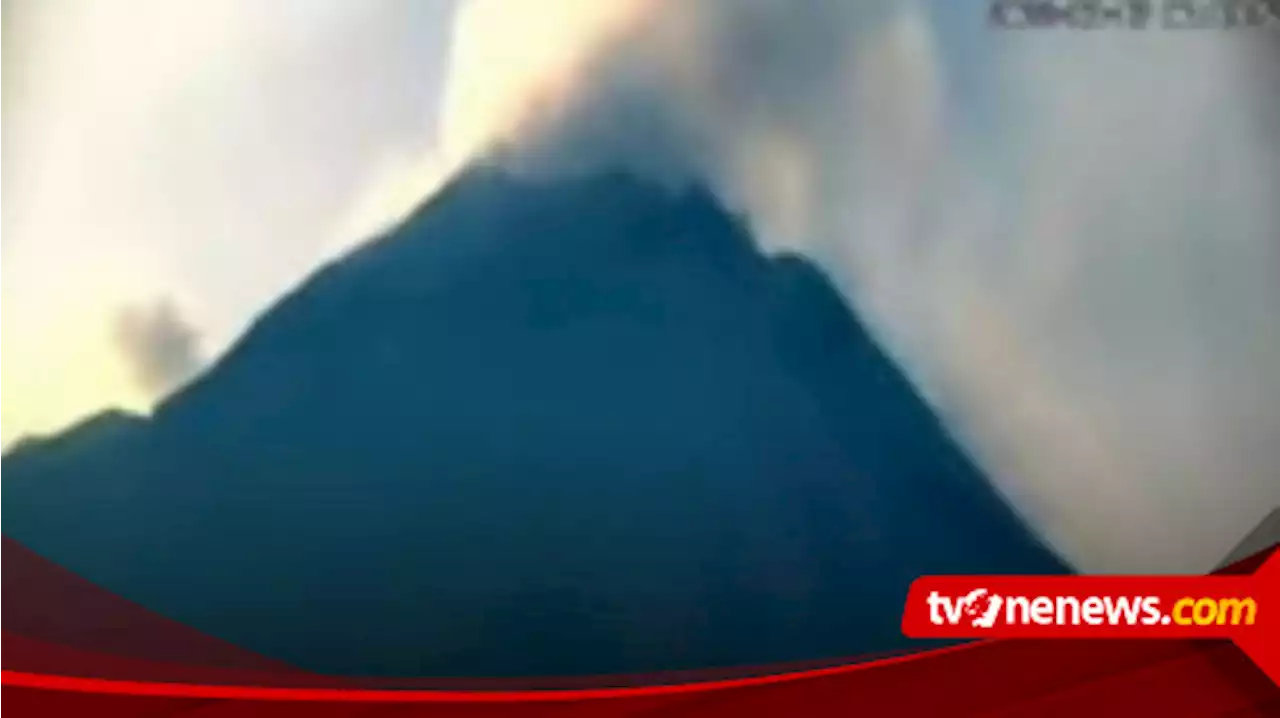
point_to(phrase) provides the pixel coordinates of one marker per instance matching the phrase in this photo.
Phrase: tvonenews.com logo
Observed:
(1241, 608)
(980, 608)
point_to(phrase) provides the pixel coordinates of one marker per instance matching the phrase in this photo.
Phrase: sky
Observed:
(1068, 239)
(172, 169)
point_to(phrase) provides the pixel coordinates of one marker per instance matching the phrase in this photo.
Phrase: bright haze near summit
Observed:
(1069, 240)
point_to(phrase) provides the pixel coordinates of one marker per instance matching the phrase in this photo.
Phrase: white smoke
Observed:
(1070, 240)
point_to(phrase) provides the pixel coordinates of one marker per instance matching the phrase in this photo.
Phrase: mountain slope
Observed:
(575, 427)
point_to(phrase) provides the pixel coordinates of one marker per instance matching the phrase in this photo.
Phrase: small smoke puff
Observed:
(160, 346)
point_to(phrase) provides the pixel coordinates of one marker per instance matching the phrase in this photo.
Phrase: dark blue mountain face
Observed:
(539, 429)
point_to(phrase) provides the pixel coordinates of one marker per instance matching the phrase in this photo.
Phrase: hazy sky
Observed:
(180, 164)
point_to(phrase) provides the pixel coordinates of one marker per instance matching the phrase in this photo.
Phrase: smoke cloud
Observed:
(1070, 240)
(160, 346)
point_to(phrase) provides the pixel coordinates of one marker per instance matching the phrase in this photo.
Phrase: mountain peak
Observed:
(541, 427)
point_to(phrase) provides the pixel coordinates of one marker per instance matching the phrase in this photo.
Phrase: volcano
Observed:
(542, 427)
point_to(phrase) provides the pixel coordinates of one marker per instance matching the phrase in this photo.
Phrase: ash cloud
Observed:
(1068, 239)
(159, 344)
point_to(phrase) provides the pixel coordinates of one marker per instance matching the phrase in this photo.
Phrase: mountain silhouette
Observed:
(561, 427)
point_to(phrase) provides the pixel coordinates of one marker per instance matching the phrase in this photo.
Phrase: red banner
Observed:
(1244, 609)
(71, 648)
